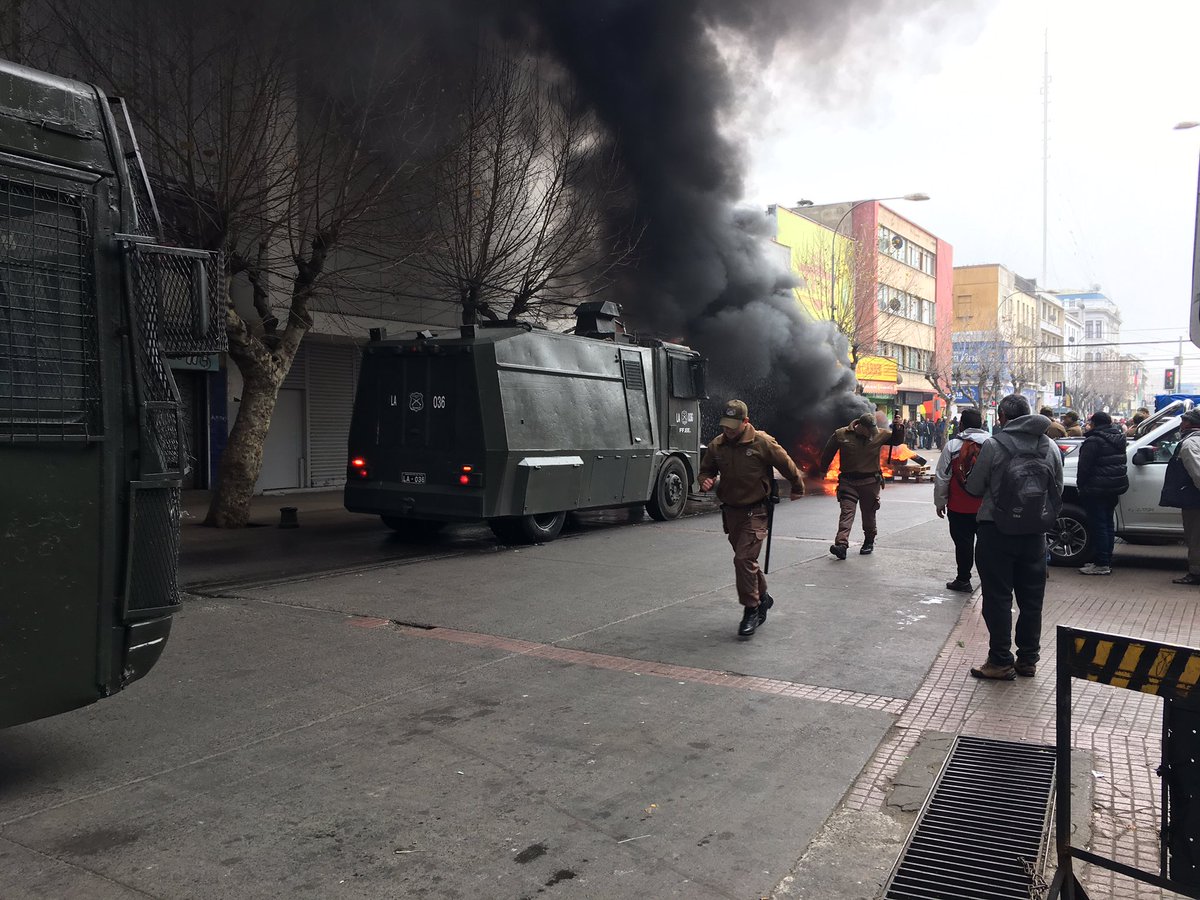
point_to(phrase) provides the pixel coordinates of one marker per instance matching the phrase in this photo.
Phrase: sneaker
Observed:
(749, 621)
(765, 602)
(959, 585)
(1189, 578)
(838, 550)
(1025, 669)
(867, 548)
(1093, 569)
(994, 671)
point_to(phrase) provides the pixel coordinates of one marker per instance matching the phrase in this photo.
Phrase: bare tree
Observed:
(521, 200)
(842, 284)
(293, 167)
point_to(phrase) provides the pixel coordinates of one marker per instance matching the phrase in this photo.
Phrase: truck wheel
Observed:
(537, 529)
(414, 530)
(1071, 544)
(670, 491)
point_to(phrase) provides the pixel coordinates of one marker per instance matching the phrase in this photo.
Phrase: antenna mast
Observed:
(1045, 150)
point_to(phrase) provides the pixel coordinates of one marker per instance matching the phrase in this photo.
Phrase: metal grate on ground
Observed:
(982, 833)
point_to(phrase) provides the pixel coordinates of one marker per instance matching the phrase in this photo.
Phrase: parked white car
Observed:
(1139, 518)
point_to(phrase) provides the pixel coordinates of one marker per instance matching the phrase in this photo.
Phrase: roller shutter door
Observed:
(332, 376)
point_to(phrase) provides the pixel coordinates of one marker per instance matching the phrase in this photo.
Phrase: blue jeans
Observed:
(1100, 517)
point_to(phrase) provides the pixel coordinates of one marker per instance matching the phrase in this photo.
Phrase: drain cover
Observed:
(982, 832)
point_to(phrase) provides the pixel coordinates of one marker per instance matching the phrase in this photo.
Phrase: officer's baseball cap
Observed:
(734, 414)
(1192, 417)
(866, 419)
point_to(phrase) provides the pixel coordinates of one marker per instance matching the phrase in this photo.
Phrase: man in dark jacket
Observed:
(1181, 490)
(860, 478)
(1101, 479)
(1011, 564)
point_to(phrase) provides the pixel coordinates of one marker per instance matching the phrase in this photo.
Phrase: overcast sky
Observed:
(953, 108)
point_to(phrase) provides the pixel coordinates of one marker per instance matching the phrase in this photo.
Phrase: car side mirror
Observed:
(1143, 456)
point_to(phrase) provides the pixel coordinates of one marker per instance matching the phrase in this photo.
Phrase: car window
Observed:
(1164, 445)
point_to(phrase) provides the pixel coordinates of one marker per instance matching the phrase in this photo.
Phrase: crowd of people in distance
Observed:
(999, 489)
(924, 434)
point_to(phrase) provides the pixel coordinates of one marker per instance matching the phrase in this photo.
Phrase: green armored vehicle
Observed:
(518, 426)
(91, 447)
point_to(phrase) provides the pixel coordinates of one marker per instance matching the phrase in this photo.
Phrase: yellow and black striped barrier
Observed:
(1164, 670)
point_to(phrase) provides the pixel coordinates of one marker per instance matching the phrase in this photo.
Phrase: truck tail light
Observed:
(469, 476)
(358, 467)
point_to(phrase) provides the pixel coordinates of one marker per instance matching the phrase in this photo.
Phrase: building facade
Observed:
(999, 321)
(1101, 376)
(899, 305)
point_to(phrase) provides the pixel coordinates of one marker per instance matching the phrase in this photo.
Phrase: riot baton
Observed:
(772, 502)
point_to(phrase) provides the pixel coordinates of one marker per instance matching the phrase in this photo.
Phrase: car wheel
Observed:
(670, 491)
(537, 529)
(1071, 542)
(414, 530)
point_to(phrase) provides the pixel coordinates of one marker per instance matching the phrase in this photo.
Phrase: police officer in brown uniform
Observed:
(860, 477)
(746, 459)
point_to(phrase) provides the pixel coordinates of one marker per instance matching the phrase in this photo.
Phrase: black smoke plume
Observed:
(705, 272)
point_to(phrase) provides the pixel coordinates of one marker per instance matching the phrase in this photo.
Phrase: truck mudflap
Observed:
(144, 643)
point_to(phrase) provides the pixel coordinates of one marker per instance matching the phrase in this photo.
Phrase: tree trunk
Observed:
(241, 461)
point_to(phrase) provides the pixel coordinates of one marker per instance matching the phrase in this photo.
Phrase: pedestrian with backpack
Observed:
(1019, 476)
(1102, 477)
(950, 497)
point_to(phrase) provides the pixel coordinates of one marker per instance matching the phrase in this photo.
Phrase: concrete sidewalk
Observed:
(1116, 732)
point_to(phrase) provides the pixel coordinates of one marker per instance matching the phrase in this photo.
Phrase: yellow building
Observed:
(997, 329)
(811, 252)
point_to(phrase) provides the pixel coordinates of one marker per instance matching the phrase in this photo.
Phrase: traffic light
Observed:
(1169, 380)
(1058, 389)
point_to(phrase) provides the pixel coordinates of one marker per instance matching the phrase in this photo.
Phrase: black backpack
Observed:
(1026, 499)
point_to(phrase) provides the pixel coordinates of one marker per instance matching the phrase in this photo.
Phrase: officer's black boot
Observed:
(749, 621)
(868, 546)
(765, 602)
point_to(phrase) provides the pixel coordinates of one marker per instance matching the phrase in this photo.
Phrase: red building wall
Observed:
(943, 353)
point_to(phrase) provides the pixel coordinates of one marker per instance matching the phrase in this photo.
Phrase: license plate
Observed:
(412, 477)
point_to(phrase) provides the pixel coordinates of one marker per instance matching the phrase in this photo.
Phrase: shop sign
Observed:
(877, 368)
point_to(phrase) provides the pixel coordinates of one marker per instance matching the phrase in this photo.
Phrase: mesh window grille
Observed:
(168, 285)
(48, 357)
(154, 548)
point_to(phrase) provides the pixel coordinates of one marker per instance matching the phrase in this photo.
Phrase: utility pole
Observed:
(1045, 150)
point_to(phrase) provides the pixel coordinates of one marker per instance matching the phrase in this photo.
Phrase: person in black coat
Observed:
(1102, 478)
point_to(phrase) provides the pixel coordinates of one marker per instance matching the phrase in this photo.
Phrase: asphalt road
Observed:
(467, 720)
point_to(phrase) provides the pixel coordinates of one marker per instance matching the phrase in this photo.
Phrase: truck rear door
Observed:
(415, 411)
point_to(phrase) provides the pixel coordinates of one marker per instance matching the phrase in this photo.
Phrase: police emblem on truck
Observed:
(416, 402)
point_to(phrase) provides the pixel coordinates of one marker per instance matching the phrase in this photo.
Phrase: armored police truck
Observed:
(91, 446)
(518, 426)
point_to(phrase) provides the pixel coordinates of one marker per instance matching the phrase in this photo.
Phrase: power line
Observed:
(1087, 346)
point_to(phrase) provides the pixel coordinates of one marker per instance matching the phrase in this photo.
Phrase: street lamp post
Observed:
(1193, 311)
